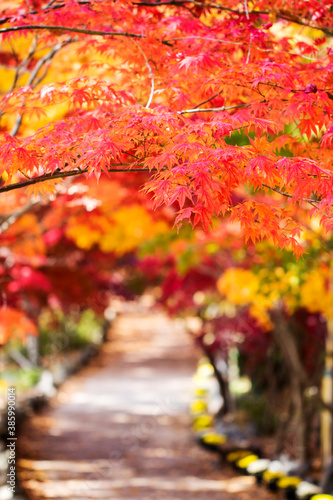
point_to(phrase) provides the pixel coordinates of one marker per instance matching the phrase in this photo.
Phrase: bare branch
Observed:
(20, 67)
(246, 10)
(32, 79)
(210, 99)
(17, 124)
(46, 59)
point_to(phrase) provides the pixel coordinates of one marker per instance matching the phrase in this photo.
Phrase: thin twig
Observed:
(210, 39)
(307, 200)
(151, 74)
(250, 44)
(51, 2)
(75, 30)
(47, 58)
(207, 100)
(223, 108)
(67, 28)
(21, 66)
(249, 51)
(11, 218)
(17, 124)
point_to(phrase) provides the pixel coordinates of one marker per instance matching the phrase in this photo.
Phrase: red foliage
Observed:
(174, 83)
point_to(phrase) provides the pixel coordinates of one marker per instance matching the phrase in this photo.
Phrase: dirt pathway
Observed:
(120, 429)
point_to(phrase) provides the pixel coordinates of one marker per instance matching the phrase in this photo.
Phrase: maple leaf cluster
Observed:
(211, 98)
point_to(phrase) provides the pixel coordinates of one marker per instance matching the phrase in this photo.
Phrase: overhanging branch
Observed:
(75, 30)
(63, 175)
(67, 28)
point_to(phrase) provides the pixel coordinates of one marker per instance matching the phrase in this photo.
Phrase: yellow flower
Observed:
(269, 475)
(244, 462)
(214, 438)
(287, 482)
(198, 406)
(202, 422)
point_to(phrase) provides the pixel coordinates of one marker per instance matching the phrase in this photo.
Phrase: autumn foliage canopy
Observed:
(227, 105)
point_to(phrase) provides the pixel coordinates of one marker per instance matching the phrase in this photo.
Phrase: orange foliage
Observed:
(14, 323)
(176, 88)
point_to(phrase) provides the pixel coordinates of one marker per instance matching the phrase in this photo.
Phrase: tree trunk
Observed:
(303, 412)
(327, 396)
(223, 385)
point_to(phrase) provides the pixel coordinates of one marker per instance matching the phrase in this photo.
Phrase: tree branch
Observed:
(67, 28)
(313, 203)
(75, 30)
(207, 100)
(223, 108)
(63, 175)
(47, 58)
(11, 218)
(277, 13)
(203, 38)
